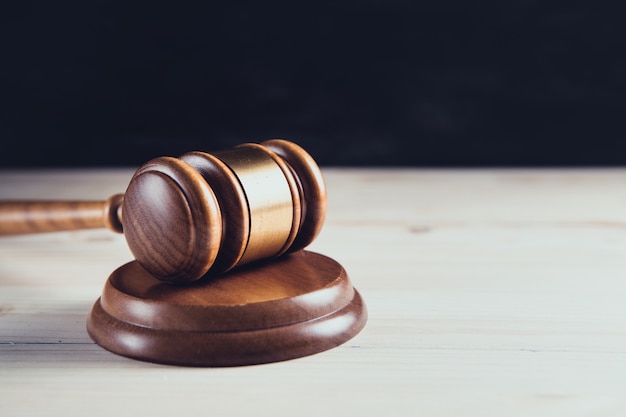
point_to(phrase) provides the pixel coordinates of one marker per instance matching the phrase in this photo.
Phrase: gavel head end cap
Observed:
(172, 221)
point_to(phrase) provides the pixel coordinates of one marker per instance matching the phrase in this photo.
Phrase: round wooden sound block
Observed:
(292, 306)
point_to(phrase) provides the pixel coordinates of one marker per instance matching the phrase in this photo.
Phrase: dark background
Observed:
(377, 83)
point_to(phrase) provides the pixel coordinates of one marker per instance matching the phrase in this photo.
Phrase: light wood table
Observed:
(490, 293)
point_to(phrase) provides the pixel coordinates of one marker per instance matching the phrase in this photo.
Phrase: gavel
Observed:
(201, 213)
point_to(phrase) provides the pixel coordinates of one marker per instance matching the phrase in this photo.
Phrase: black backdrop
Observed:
(370, 82)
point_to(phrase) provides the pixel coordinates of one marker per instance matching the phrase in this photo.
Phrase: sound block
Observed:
(293, 306)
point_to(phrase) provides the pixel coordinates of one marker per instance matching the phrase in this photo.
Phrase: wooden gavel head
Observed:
(209, 212)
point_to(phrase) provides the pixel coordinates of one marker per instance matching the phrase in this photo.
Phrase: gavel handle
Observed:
(23, 217)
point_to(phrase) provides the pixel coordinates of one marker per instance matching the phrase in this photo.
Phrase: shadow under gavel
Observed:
(202, 212)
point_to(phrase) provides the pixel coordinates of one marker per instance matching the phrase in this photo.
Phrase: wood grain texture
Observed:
(294, 306)
(172, 220)
(490, 293)
(25, 217)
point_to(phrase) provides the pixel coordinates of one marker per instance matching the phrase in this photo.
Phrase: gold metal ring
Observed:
(269, 200)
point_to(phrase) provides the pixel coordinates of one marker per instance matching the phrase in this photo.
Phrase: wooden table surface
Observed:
(490, 293)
